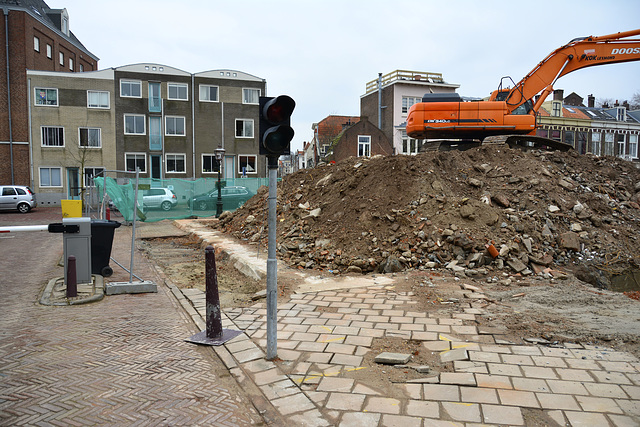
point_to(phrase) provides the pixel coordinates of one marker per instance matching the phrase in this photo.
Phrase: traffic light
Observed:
(275, 125)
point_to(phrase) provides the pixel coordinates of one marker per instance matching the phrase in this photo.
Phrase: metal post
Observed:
(72, 282)
(272, 265)
(380, 101)
(214, 317)
(219, 203)
(133, 230)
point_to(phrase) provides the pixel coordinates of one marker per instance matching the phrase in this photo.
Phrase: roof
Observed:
(40, 11)
(153, 68)
(330, 127)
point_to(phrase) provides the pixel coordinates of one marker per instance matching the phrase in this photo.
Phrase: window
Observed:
(244, 128)
(175, 163)
(49, 51)
(97, 99)
(364, 146)
(621, 114)
(9, 191)
(134, 124)
(608, 144)
(621, 144)
(409, 145)
(46, 96)
(407, 102)
(209, 163)
(174, 126)
(155, 133)
(135, 160)
(90, 137)
(247, 164)
(81, 68)
(61, 56)
(556, 108)
(71, 64)
(131, 88)
(50, 177)
(208, 93)
(595, 143)
(569, 138)
(178, 91)
(633, 146)
(155, 98)
(36, 44)
(52, 136)
(250, 96)
(90, 173)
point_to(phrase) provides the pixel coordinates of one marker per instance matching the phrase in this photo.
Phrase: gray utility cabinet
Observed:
(79, 245)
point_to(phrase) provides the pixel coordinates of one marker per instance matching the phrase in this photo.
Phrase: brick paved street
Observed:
(120, 361)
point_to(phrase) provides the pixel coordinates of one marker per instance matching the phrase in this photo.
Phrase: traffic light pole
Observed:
(272, 266)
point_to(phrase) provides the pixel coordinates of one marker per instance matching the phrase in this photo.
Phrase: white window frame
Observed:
(364, 141)
(88, 129)
(176, 87)
(245, 95)
(89, 180)
(208, 93)
(609, 144)
(409, 143)
(144, 124)
(61, 58)
(137, 156)
(36, 43)
(247, 156)
(49, 168)
(42, 139)
(71, 64)
(633, 146)
(214, 160)
(556, 108)
(408, 101)
(130, 83)
(174, 157)
(175, 118)
(49, 51)
(244, 129)
(46, 89)
(596, 146)
(99, 94)
(622, 145)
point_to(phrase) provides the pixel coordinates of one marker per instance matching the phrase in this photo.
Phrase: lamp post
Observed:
(219, 156)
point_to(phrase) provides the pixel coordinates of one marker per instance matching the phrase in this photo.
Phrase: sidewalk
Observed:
(325, 339)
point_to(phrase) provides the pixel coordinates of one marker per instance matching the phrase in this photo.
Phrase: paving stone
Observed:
(483, 356)
(617, 366)
(387, 358)
(267, 377)
(495, 414)
(583, 364)
(574, 375)
(466, 366)
(358, 340)
(400, 421)
(605, 390)
(363, 389)
(630, 407)
(586, 419)
(454, 354)
(295, 403)
(611, 377)
(440, 392)
(539, 372)
(549, 362)
(557, 401)
(383, 405)
(414, 391)
(345, 401)
(340, 348)
(336, 384)
(436, 345)
(248, 355)
(478, 395)
(526, 350)
(525, 399)
(311, 346)
(458, 378)
(493, 381)
(424, 336)
(469, 412)
(279, 389)
(504, 369)
(623, 420)
(360, 419)
(567, 387)
(517, 359)
(346, 359)
(633, 391)
(598, 404)
(421, 408)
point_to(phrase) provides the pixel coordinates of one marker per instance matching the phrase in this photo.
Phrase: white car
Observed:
(159, 198)
(17, 197)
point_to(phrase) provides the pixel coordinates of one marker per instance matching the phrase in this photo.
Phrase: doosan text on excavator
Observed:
(512, 113)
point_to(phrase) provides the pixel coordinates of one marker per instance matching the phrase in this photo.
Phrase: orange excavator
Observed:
(510, 114)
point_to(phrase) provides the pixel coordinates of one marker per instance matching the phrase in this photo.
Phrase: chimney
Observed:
(558, 95)
(617, 104)
(625, 104)
(591, 101)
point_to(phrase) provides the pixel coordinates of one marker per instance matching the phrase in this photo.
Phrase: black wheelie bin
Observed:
(102, 231)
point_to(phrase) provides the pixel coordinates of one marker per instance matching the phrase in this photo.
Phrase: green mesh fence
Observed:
(160, 199)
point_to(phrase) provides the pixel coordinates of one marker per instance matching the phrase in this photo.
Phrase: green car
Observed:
(232, 198)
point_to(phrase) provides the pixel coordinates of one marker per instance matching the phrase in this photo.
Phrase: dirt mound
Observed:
(542, 211)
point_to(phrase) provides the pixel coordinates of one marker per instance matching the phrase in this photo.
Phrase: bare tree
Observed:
(634, 104)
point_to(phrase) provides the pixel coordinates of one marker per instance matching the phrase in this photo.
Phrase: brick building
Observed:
(39, 39)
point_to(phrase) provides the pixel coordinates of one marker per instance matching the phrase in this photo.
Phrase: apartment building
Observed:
(388, 98)
(38, 38)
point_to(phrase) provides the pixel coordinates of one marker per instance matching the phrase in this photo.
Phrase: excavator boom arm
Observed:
(577, 54)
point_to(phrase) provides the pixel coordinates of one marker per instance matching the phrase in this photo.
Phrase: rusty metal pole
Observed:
(72, 282)
(214, 317)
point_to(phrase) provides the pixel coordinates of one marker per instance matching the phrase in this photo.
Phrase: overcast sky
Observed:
(322, 53)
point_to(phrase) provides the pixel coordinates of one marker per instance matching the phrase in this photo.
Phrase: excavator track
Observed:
(528, 141)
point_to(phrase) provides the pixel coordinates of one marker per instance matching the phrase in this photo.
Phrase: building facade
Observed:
(387, 100)
(362, 139)
(38, 38)
(165, 122)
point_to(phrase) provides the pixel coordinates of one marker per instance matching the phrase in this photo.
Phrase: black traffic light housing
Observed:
(275, 125)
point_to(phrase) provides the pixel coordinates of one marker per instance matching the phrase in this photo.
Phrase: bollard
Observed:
(72, 282)
(108, 213)
(214, 319)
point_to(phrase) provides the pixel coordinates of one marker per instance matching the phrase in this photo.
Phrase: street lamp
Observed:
(219, 156)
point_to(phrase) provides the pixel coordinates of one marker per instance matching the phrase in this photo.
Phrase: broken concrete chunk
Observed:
(392, 358)
(455, 354)
(553, 208)
(569, 240)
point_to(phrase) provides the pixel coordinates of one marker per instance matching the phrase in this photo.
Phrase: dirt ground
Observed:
(565, 228)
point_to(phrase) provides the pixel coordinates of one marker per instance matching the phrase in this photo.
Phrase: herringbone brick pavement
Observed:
(120, 361)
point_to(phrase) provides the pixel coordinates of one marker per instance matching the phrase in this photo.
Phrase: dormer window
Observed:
(621, 114)
(64, 22)
(556, 108)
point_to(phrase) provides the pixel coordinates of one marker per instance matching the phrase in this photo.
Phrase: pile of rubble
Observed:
(476, 211)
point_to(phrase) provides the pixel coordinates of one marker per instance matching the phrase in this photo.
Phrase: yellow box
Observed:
(71, 208)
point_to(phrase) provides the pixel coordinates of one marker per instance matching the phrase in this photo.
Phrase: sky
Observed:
(323, 53)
